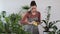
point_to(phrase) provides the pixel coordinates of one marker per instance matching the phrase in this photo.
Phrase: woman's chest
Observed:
(32, 18)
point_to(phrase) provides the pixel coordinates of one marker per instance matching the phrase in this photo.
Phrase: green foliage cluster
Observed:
(10, 24)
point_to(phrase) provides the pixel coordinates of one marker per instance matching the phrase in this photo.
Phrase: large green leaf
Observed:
(44, 21)
(53, 22)
(25, 7)
(55, 28)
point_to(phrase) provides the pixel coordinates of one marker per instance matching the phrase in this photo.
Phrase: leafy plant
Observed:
(12, 24)
(50, 24)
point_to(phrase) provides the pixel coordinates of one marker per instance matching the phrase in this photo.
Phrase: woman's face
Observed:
(33, 8)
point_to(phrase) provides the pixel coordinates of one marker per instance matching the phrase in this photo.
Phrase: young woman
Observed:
(32, 19)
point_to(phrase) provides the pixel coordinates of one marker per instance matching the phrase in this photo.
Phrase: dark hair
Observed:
(33, 3)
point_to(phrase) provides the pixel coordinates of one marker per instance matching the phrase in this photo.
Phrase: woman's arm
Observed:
(24, 19)
(39, 18)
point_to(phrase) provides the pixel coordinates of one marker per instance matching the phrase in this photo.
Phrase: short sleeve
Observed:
(39, 17)
(24, 18)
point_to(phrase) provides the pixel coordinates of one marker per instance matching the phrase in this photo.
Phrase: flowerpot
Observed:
(46, 32)
(50, 29)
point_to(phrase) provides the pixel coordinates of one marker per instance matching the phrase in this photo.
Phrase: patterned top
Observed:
(31, 17)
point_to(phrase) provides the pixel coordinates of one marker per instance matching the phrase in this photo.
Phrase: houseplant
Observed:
(10, 24)
(49, 24)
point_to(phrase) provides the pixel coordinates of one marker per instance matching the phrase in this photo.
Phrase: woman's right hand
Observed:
(31, 23)
(35, 23)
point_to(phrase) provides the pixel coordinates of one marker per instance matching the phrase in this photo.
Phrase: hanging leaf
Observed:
(44, 21)
(25, 7)
(50, 24)
(55, 28)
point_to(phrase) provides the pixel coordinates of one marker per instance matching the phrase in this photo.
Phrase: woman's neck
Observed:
(34, 13)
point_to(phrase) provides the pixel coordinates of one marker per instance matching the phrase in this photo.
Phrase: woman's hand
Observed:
(35, 23)
(32, 23)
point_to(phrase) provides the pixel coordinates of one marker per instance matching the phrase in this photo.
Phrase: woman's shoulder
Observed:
(28, 12)
(38, 12)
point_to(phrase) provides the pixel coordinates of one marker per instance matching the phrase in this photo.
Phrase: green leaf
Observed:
(58, 32)
(7, 19)
(55, 28)
(0, 17)
(25, 7)
(1, 27)
(50, 24)
(44, 21)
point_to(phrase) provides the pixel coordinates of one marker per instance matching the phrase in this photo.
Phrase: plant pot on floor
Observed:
(46, 32)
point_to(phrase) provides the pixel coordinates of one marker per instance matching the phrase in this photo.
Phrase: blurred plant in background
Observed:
(11, 25)
(23, 10)
(25, 7)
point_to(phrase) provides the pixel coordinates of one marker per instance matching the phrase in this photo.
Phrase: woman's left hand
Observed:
(35, 23)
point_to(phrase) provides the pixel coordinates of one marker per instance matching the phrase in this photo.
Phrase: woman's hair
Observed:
(33, 3)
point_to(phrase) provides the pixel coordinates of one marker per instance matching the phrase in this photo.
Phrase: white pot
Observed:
(51, 29)
(45, 32)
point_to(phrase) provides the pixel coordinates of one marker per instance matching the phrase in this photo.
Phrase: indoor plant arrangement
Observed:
(10, 24)
(49, 24)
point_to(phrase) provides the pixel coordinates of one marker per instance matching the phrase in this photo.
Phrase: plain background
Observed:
(14, 6)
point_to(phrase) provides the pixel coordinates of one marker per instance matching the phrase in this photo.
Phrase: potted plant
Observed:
(12, 25)
(49, 24)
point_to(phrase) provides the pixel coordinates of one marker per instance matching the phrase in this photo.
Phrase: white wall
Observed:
(11, 6)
